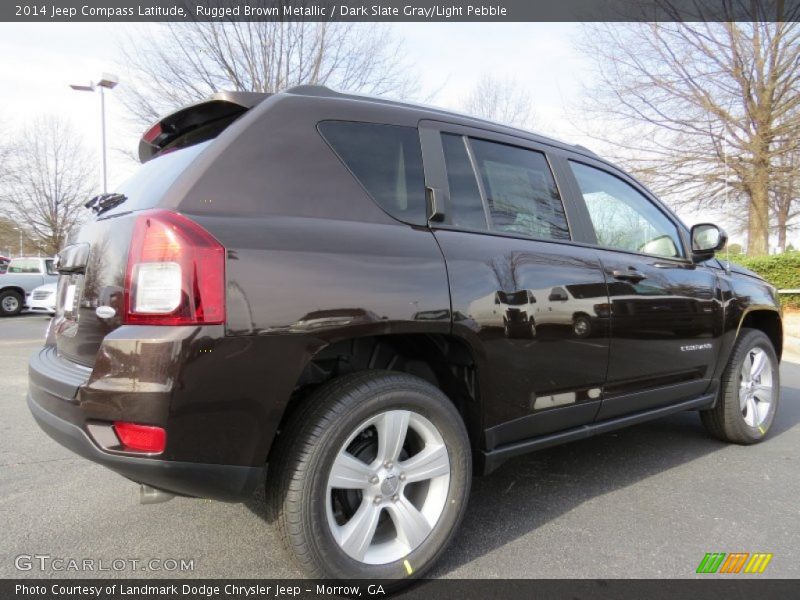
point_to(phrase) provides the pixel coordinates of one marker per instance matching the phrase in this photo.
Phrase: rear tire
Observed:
(10, 303)
(371, 477)
(749, 392)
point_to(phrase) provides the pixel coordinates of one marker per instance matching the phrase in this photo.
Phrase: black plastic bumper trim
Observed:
(229, 483)
(494, 458)
(56, 376)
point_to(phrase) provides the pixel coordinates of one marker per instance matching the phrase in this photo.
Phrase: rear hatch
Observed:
(93, 267)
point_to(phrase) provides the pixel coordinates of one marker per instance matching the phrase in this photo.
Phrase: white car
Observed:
(42, 299)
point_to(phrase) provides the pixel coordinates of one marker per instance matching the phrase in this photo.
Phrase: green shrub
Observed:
(781, 270)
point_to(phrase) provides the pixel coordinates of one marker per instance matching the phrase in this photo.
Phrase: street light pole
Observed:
(103, 136)
(108, 81)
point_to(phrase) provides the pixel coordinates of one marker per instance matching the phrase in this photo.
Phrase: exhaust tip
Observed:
(151, 495)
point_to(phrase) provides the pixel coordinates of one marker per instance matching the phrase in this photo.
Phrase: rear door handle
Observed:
(629, 275)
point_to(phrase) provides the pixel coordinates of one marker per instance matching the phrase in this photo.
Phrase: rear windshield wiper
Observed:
(103, 202)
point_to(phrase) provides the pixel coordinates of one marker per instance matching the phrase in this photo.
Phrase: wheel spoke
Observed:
(751, 418)
(744, 392)
(411, 525)
(356, 535)
(432, 461)
(759, 362)
(747, 367)
(349, 473)
(392, 429)
(763, 392)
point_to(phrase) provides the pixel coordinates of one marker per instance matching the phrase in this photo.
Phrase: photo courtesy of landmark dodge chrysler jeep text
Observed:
(361, 304)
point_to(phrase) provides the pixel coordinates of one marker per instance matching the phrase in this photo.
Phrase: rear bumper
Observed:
(53, 384)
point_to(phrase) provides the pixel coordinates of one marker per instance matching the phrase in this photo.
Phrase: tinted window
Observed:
(387, 160)
(588, 290)
(624, 218)
(464, 208)
(145, 188)
(51, 270)
(520, 191)
(516, 298)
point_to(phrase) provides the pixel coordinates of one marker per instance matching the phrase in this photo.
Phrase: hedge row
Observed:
(781, 270)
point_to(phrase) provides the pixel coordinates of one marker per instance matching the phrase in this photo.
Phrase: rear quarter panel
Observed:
(295, 285)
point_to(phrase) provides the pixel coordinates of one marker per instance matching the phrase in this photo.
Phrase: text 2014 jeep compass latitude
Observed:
(363, 303)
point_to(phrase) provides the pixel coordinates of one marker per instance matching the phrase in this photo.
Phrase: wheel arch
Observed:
(765, 319)
(13, 288)
(444, 360)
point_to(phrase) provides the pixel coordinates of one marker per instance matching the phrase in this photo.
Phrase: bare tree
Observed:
(52, 175)
(180, 63)
(11, 241)
(785, 196)
(688, 103)
(501, 100)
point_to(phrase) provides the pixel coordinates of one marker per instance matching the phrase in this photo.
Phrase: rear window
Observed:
(145, 188)
(386, 160)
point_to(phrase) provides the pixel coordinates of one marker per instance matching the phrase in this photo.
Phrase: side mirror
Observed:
(707, 239)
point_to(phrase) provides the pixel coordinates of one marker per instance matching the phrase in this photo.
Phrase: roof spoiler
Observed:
(196, 123)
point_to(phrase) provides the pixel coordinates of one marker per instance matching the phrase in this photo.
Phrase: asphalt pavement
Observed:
(648, 501)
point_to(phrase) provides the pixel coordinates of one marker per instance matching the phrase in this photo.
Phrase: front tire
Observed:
(371, 477)
(749, 392)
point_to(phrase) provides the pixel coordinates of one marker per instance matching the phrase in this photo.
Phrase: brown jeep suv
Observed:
(360, 304)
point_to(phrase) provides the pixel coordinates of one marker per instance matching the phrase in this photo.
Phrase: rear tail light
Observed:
(141, 438)
(176, 272)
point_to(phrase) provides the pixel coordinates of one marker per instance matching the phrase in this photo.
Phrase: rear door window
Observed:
(520, 191)
(464, 208)
(386, 160)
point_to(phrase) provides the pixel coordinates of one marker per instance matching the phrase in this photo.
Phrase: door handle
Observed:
(630, 275)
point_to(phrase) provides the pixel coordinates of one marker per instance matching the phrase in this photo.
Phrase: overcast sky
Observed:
(41, 60)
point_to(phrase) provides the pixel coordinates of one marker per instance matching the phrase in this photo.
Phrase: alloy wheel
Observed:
(755, 387)
(388, 487)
